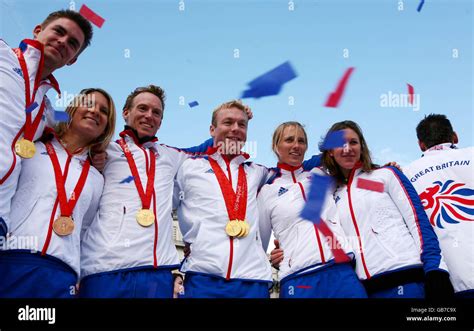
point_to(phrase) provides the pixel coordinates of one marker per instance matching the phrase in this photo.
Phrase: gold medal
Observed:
(233, 228)
(25, 148)
(145, 217)
(246, 228)
(63, 226)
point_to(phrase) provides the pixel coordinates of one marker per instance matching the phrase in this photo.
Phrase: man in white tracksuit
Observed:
(125, 252)
(25, 77)
(218, 214)
(219, 191)
(444, 180)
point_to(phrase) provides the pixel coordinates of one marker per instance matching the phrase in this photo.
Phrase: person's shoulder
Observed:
(385, 173)
(94, 173)
(469, 150)
(4, 45)
(386, 170)
(255, 165)
(265, 190)
(445, 154)
(113, 147)
(163, 148)
(195, 161)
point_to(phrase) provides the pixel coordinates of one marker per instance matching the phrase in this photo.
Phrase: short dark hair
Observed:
(434, 129)
(77, 18)
(153, 89)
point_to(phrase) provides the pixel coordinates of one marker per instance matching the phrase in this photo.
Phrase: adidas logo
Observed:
(210, 171)
(282, 191)
(18, 71)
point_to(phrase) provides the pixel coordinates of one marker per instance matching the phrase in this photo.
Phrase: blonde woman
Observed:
(57, 197)
(308, 268)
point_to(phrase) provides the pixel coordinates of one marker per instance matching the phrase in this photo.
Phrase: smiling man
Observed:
(25, 77)
(218, 214)
(128, 251)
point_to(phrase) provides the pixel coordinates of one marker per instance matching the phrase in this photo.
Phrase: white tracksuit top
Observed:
(115, 240)
(394, 230)
(444, 180)
(34, 201)
(280, 202)
(203, 216)
(12, 111)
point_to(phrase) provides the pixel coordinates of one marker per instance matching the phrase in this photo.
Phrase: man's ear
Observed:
(212, 131)
(455, 138)
(422, 146)
(37, 30)
(125, 114)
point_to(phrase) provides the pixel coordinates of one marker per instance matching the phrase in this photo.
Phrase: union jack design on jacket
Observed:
(450, 202)
(444, 180)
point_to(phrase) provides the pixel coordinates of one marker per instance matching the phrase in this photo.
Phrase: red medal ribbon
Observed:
(144, 197)
(235, 202)
(30, 128)
(66, 206)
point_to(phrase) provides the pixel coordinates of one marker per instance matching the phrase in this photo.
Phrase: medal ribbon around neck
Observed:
(30, 127)
(66, 206)
(235, 202)
(144, 197)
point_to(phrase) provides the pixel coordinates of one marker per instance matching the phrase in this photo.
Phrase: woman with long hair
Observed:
(397, 253)
(308, 269)
(57, 198)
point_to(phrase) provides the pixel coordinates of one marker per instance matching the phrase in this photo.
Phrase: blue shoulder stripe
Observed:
(431, 253)
(276, 174)
(314, 161)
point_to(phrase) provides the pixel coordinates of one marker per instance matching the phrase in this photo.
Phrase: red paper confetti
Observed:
(370, 185)
(411, 92)
(336, 96)
(91, 16)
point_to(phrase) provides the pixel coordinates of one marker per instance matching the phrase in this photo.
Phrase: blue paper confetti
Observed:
(316, 197)
(334, 140)
(127, 180)
(23, 46)
(262, 91)
(31, 107)
(271, 82)
(61, 116)
(193, 104)
(420, 5)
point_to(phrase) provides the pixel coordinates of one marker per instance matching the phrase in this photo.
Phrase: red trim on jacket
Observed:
(351, 177)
